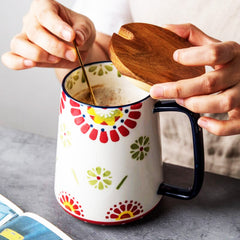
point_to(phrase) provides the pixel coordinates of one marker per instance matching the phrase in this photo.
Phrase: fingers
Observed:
(47, 34)
(16, 62)
(217, 103)
(44, 39)
(49, 18)
(67, 25)
(208, 83)
(21, 46)
(47, 14)
(225, 58)
(25, 54)
(211, 54)
(206, 50)
(220, 127)
(213, 92)
(85, 31)
(190, 32)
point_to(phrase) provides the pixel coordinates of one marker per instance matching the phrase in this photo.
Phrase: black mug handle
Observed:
(173, 191)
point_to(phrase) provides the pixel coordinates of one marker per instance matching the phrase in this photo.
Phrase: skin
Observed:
(46, 41)
(217, 91)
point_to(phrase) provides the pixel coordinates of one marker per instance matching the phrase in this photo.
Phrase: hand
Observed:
(217, 91)
(46, 37)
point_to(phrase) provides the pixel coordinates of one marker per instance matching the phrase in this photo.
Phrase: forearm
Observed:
(99, 51)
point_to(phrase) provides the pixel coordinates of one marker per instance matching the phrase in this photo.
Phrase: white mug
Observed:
(109, 167)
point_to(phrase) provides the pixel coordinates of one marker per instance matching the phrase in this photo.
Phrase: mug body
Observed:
(108, 166)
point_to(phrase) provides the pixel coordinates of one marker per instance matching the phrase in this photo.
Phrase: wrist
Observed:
(97, 53)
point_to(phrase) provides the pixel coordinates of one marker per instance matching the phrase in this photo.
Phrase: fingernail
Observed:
(67, 35)
(176, 55)
(80, 36)
(28, 63)
(53, 59)
(157, 91)
(70, 55)
(202, 122)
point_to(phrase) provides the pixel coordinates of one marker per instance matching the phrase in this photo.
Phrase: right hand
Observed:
(46, 37)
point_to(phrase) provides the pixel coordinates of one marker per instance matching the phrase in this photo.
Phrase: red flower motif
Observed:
(126, 210)
(70, 204)
(62, 103)
(103, 123)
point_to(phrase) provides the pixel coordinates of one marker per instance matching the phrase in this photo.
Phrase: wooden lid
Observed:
(145, 52)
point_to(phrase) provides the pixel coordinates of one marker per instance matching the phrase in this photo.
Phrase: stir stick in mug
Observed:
(81, 63)
(84, 73)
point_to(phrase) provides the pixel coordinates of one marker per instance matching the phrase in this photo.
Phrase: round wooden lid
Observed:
(145, 52)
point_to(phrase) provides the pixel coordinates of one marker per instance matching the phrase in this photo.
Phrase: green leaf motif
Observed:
(92, 68)
(108, 67)
(146, 149)
(121, 183)
(69, 85)
(102, 69)
(135, 155)
(108, 182)
(106, 174)
(92, 182)
(100, 186)
(119, 74)
(75, 77)
(141, 155)
(98, 170)
(100, 72)
(83, 78)
(134, 146)
(92, 174)
(146, 141)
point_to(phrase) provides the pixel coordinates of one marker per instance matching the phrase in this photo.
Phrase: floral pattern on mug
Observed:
(100, 70)
(62, 102)
(70, 204)
(74, 78)
(99, 177)
(65, 135)
(140, 148)
(124, 210)
(105, 124)
(105, 116)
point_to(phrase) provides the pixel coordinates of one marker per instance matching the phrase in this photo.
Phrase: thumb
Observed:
(190, 32)
(84, 30)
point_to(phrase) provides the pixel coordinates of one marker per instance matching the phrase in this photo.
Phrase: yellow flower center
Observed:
(125, 214)
(107, 116)
(68, 206)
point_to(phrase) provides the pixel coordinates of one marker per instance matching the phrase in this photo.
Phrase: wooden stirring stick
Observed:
(81, 63)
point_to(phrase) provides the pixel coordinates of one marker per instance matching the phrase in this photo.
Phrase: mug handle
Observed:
(173, 191)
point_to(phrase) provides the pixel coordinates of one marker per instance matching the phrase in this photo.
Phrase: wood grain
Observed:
(145, 52)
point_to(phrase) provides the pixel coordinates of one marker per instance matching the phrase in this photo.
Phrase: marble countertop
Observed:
(27, 164)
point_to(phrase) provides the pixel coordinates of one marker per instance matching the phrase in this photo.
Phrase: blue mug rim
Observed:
(88, 104)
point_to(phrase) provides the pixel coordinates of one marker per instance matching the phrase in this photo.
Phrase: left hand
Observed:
(217, 91)
(47, 35)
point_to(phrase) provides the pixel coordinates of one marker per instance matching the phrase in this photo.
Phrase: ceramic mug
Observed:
(109, 168)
